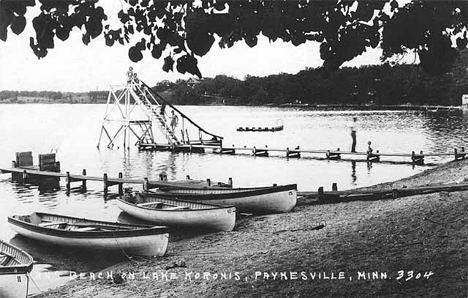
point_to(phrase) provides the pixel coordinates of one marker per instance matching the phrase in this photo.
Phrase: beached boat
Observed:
(271, 199)
(171, 212)
(139, 240)
(15, 265)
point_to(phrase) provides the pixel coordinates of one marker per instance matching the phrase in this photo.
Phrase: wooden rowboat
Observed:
(271, 199)
(15, 265)
(140, 240)
(171, 212)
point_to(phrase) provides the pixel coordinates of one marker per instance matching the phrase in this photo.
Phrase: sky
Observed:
(72, 66)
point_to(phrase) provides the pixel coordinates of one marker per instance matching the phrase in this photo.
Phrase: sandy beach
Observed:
(406, 247)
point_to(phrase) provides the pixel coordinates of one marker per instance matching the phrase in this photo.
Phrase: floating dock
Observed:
(374, 156)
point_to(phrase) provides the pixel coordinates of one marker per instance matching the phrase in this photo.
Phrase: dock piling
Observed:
(417, 159)
(106, 182)
(83, 184)
(145, 184)
(68, 181)
(24, 177)
(334, 155)
(120, 184)
(373, 157)
(293, 153)
(321, 196)
(460, 155)
(260, 152)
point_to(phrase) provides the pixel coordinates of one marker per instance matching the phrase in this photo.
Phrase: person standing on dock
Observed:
(353, 134)
(174, 121)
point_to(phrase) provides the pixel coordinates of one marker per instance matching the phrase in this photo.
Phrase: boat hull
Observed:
(260, 200)
(206, 217)
(14, 279)
(150, 241)
(14, 285)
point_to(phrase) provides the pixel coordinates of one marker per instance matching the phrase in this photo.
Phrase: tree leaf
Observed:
(63, 33)
(188, 63)
(86, 38)
(6, 17)
(38, 51)
(109, 40)
(251, 41)
(168, 64)
(200, 43)
(135, 54)
(18, 24)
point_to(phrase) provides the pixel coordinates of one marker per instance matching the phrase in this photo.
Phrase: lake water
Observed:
(72, 131)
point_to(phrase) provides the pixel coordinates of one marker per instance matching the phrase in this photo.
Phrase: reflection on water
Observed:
(73, 131)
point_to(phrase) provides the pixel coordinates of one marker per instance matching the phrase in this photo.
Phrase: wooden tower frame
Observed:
(121, 99)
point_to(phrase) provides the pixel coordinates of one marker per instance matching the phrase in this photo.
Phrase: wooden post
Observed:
(321, 196)
(83, 183)
(24, 177)
(120, 184)
(68, 181)
(188, 139)
(14, 176)
(183, 137)
(334, 187)
(145, 184)
(460, 155)
(105, 184)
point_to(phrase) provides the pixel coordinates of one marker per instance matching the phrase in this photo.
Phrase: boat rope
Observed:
(133, 259)
(439, 223)
(40, 291)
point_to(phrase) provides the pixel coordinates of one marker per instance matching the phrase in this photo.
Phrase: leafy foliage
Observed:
(183, 31)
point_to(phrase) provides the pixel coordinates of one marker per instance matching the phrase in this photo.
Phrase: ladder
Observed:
(152, 108)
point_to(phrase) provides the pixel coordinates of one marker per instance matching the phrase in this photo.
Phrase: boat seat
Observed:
(148, 204)
(85, 229)
(177, 208)
(53, 223)
(5, 260)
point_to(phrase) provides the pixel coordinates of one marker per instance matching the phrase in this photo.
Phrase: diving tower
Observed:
(133, 110)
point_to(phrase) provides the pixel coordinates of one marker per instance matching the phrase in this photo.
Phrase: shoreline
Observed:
(411, 246)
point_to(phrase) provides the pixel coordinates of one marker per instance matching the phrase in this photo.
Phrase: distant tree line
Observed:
(379, 85)
(7, 94)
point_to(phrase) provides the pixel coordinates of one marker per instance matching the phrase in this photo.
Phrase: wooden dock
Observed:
(26, 174)
(48, 174)
(335, 196)
(415, 158)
